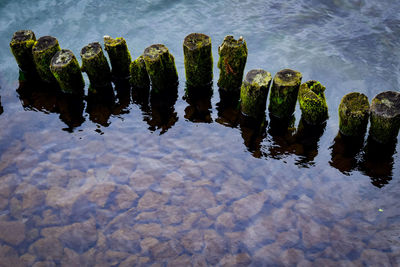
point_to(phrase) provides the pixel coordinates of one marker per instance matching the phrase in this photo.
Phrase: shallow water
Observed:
(136, 183)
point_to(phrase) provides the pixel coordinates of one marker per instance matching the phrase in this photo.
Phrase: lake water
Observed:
(179, 184)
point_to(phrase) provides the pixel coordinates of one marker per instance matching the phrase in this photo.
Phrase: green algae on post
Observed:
(254, 92)
(21, 46)
(160, 66)
(67, 72)
(119, 55)
(385, 117)
(353, 114)
(284, 91)
(95, 64)
(314, 109)
(139, 77)
(43, 51)
(231, 63)
(198, 61)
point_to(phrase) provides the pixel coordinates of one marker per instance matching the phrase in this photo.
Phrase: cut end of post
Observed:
(258, 76)
(62, 58)
(196, 40)
(288, 77)
(91, 50)
(230, 41)
(22, 36)
(154, 51)
(386, 104)
(44, 43)
(108, 41)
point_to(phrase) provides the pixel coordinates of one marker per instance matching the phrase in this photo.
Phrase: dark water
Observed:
(124, 182)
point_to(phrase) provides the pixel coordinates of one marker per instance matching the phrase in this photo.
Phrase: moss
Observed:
(385, 117)
(313, 103)
(198, 61)
(119, 55)
(21, 47)
(231, 63)
(254, 92)
(43, 51)
(139, 77)
(284, 92)
(160, 66)
(95, 64)
(67, 72)
(353, 114)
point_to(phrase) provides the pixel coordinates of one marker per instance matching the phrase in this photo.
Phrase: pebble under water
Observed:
(131, 181)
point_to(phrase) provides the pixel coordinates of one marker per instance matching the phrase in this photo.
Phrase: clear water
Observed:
(132, 184)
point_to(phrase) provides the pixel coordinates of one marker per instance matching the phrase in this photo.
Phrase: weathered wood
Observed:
(95, 64)
(21, 47)
(66, 70)
(43, 51)
(254, 92)
(313, 106)
(353, 114)
(284, 91)
(160, 66)
(385, 117)
(198, 61)
(139, 77)
(119, 55)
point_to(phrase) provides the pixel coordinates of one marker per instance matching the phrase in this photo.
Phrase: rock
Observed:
(232, 189)
(112, 258)
(12, 232)
(147, 230)
(235, 241)
(373, 257)
(27, 259)
(147, 243)
(200, 199)
(33, 198)
(9, 257)
(100, 193)
(71, 258)
(130, 261)
(262, 230)
(44, 264)
(214, 246)
(152, 200)
(193, 241)
(215, 211)
(125, 240)
(166, 250)
(48, 248)
(241, 259)
(284, 218)
(171, 214)
(79, 236)
(225, 221)
(125, 197)
(288, 239)
(268, 255)
(172, 182)
(314, 235)
(249, 206)
(291, 257)
(183, 260)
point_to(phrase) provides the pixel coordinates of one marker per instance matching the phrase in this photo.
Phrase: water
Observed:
(130, 183)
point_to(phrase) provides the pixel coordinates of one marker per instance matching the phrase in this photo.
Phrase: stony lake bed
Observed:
(141, 183)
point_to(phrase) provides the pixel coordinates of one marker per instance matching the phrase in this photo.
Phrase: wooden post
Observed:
(314, 109)
(139, 77)
(160, 66)
(67, 72)
(198, 61)
(385, 117)
(43, 51)
(353, 114)
(119, 55)
(231, 63)
(95, 64)
(284, 91)
(21, 46)
(254, 92)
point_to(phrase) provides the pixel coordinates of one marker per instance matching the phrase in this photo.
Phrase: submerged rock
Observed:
(12, 232)
(249, 206)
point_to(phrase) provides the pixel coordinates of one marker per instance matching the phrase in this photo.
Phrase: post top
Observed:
(196, 40)
(386, 104)
(355, 103)
(154, 51)
(259, 76)
(44, 43)
(23, 36)
(108, 41)
(287, 77)
(61, 58)
(91, 50)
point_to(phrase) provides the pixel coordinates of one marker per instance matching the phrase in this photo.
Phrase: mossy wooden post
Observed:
(160, 66)
(231, 63)
(95, 64)
(67, 72)
(314, 109)
(385, 117)
(284, 91)
(21, 46)
(43, 51)
(198, 61)
(254, 92)
(119, 55)
(353, 114)
(139, 77)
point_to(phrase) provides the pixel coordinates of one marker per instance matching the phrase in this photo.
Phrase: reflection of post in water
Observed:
(1, 107)
(228, 109)
(100, 104)
(123, 90)
(377, 161)
(253, 132)
(281, 132)
(345, 151)
(38, 96)
(162, 115)
(199, 108)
